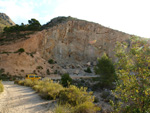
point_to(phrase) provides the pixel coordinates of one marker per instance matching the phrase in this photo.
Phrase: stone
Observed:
(89, 64)
(63, 71)
(76, 72)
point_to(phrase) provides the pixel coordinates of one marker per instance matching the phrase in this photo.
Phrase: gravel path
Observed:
(21, 99)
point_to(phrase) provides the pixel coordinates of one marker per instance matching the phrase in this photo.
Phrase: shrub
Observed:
(1, 87)
(21, 50)
(75, 96)
(16, 82)
(55, 72)
(66, 80)
(62, 109)
(51, 90)
(86, 107)
(48, 89)
(78, 99)
(39, 67)
(48, 72)
(28, 82)
(106, 70)
(51, 61)
(21, 82)
(88, 70)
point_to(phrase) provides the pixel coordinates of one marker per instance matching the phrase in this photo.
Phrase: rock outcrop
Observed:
(74, 42)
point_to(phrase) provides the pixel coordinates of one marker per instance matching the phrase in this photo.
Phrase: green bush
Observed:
(66, 80)
(106, 70)
(51, 61)
(48, 72)
(1, 87)
(88, 70)
(21, 50)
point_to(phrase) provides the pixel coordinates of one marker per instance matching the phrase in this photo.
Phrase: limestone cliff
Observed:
(70, 42)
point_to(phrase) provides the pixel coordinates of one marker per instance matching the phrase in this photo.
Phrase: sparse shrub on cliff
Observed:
(88, 70)
(1, 87)
(66, 80)
(51, 61)
(48, 72)
(21, 50)
(4, 76)
(39, 67)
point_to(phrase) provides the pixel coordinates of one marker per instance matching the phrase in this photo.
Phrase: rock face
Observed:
(5, 21)
(70, 42)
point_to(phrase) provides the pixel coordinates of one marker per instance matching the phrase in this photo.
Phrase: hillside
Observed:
(5, 21)
(71, 43)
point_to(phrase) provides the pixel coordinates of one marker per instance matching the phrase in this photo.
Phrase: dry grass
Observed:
(1, 87)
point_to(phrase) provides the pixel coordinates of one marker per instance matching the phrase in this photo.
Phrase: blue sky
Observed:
(130, 16)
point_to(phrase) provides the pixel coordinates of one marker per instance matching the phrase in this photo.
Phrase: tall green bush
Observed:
(133, 85)
(66, 80)
(106, 70)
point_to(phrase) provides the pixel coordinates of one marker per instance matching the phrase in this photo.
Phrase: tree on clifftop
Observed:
(34, 24)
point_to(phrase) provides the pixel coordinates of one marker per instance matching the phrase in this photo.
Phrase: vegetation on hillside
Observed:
(78, 100)
(34, 25)
(133, 71)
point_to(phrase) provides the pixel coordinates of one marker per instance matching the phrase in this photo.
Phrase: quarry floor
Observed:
(21, 99)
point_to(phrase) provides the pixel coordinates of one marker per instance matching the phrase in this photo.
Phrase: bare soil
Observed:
(21, 99)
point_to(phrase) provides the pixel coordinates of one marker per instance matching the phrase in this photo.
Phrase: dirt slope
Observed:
(20, 99)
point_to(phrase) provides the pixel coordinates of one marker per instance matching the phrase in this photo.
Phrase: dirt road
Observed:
(21, 99)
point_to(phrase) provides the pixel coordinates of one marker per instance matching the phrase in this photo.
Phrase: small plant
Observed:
(62, 109)
(51, 61)
(39, 67)
(66, 80)
(21, 50)
(96, 100)
(1, 87)
(48, 72)
(88, 70)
